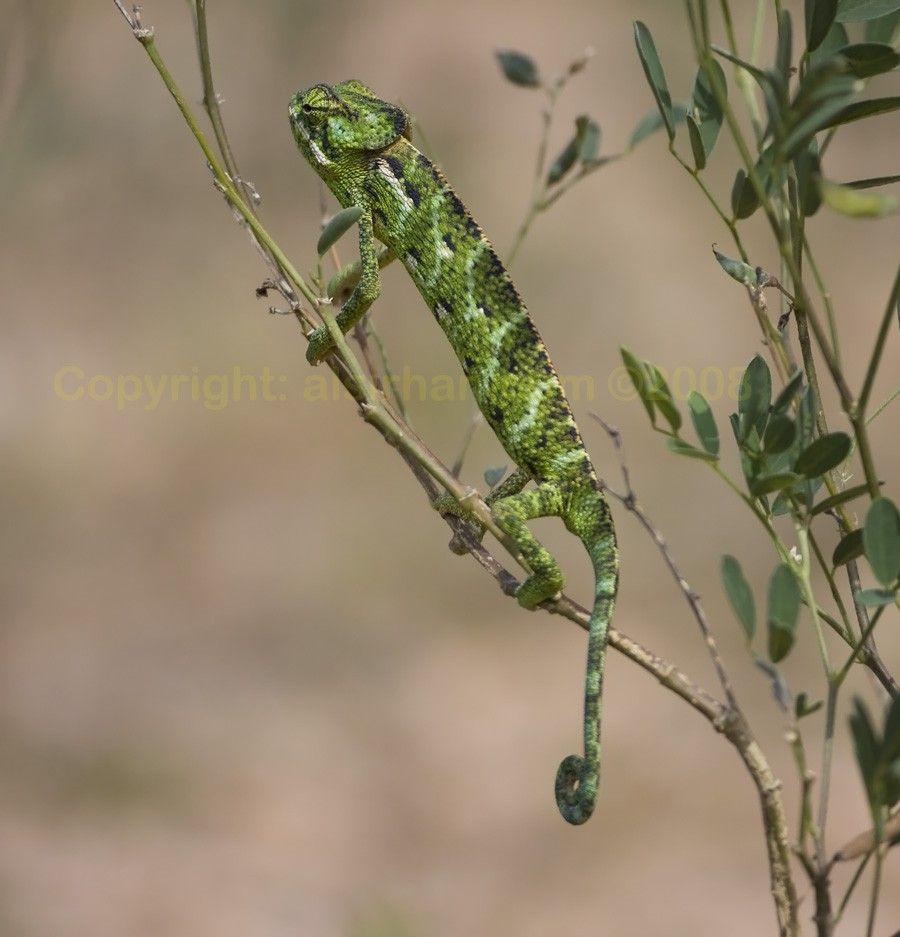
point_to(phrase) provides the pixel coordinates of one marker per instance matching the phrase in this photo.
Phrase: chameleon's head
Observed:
(333, 122)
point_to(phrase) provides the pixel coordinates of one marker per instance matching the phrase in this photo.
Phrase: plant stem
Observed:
(211, 102)
(552, 91)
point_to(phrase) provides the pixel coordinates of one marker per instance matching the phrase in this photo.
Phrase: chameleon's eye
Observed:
(306, 107)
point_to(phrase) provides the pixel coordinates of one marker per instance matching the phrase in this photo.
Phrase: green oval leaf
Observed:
(783, 50)
(881, 539)
(763, 78)
(754, 396)
(870, 58)
(519, 68)
(779, 434)
(589, 143)
(855, 11)
(849, 548)
(744, 200)
(872, 598)
(840, 498)
(339, 225)
(823, 454)
(783, 607)
(803, 706)
(872, 183)
(564, 162)
(696, 140)
(740, 595)
(882, 28)
(855, 203)
(662, 397)
(766, 484)
(493, 475)
(860, 110)
(836, 39)
(655, 75)
(808, 169)
(652, 121)
(640, 378)
(819, 17)
(866, 746)
(707, 113)
(704, 422)
(680, 447)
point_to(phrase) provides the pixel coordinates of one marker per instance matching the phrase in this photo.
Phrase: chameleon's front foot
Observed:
(576, 789)
(446, 504)
(320, 345)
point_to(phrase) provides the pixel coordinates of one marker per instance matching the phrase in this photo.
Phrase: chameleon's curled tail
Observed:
(578, 777)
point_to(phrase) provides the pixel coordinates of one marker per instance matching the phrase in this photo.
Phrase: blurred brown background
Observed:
(245, 689)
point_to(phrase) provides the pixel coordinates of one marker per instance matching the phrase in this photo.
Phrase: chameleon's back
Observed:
(469, 292)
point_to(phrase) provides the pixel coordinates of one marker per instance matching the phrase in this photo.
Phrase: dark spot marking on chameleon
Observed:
(456, 206)
(495, 264)
(448, 240)
(395, 166)
(497, 415)
(400, 121)
(542, 440)
(486, 309)
(473, 227)
(586, 466)
(412, 192)
(416, 256)
(572, 432)
(467, 364)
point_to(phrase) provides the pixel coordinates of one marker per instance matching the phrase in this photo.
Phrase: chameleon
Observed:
(361, 146)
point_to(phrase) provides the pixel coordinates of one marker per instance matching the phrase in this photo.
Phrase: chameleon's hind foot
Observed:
(320, 345)
(536, 589)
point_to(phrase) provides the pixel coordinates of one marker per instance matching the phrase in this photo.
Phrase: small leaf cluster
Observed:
(878, 756)
(817, 94)
(784, 465)
(582, 149)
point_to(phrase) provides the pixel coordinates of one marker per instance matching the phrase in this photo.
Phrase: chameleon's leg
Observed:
(512, 514)
(364, 293)
(446, 504)
(348, 276)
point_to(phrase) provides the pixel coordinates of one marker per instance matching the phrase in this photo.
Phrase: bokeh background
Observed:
(244, 687)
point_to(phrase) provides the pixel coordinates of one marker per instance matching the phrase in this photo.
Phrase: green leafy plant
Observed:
(787, 460)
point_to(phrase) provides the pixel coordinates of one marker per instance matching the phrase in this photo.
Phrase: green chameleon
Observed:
(360, 146)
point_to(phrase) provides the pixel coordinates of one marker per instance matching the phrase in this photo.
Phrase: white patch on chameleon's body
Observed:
(436, 203)
(531, 410)
(473, 311)
(314, 147)
(573, 455)
(440, 311)
(411, 262)
(497, 336)
(404, 202)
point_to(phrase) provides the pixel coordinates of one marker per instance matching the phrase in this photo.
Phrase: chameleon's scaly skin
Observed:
(360, 146)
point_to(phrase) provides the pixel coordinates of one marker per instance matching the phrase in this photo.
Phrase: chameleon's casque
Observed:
(360, 146)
